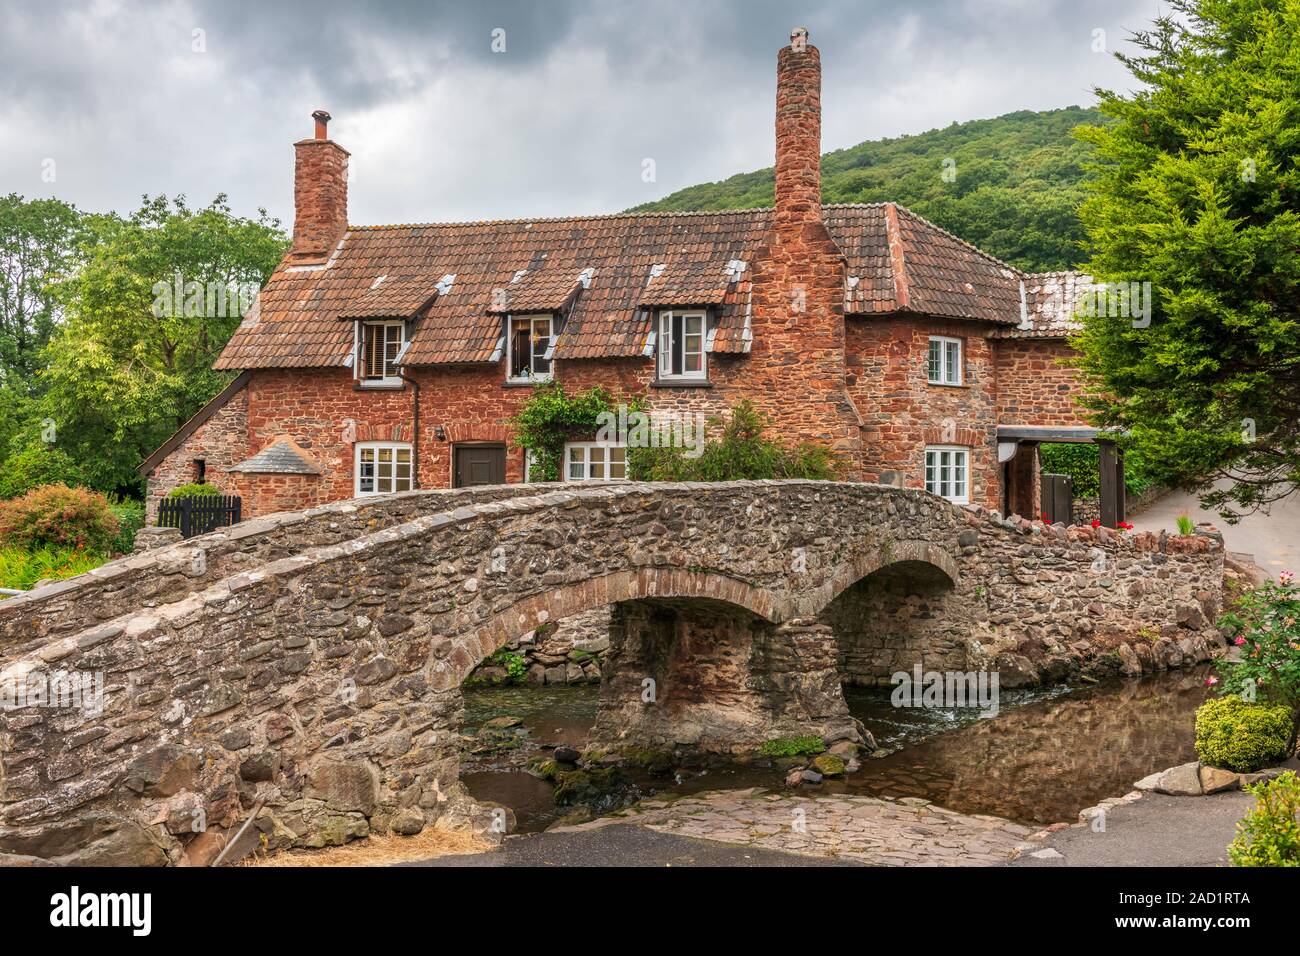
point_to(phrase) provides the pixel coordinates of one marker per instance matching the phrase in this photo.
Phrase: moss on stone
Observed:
(798, 746)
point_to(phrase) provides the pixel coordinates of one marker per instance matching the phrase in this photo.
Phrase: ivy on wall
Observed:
(550, 418)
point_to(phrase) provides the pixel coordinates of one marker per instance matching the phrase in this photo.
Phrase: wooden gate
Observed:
(199, 515)
(1058, 498)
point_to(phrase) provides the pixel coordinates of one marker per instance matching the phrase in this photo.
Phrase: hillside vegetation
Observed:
(1013, 183)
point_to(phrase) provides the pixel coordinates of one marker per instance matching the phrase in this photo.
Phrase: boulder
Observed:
(1129, 663)
(1015, 670)
(1181, 781)
(828, 765)
(1214, 780)
(97, 839)
(408, 821)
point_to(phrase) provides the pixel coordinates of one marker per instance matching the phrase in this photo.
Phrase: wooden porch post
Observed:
(1112, 483)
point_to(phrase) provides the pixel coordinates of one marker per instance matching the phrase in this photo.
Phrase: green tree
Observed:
(1196, 192)
(37, 248)
(132, 360)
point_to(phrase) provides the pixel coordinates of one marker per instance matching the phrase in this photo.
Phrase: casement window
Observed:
(383, 467)
(593, 461)
(680, 343)
(947, 472)
(945, 361)
(528, 340)
(381, 343)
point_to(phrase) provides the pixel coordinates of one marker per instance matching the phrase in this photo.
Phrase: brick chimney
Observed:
(798, 130)
(320, 193)
(796, 365)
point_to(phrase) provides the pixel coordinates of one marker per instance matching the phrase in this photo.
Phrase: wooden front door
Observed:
(479, 465)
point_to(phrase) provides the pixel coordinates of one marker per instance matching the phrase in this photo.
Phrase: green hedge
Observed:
(1241, 736)
(194, 490)
(1082, 462)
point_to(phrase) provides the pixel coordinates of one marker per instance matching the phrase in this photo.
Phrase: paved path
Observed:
(1273, 538)
(757, 827)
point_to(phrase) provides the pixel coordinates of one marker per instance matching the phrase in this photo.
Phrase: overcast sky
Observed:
(115, 99)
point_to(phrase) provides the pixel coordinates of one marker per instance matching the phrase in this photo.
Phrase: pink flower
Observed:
(1239, 641)
(1211, 681)
(1286, 577)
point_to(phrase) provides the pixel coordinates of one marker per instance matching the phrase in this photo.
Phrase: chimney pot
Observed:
(322, 119)
(799, 39)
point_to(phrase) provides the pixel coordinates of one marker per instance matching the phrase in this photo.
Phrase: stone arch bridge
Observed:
(309, 664)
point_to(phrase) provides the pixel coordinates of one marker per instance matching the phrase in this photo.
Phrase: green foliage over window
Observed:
(1082, 462)
(742, 451)
(37, 465)
(1269, 833)
(1240, 736)
(1018, 179)
(552, 417)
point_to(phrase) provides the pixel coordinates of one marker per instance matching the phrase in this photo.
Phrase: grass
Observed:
(377, 850)
(21, 568)
(1185, 524)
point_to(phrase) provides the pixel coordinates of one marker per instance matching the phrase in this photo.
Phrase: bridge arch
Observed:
(448, 668)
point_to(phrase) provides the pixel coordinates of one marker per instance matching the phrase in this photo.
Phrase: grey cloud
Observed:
(441, 127)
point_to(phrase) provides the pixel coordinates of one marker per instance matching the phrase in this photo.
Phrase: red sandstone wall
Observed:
(887, 366)
(1034, 386)
(219, 442)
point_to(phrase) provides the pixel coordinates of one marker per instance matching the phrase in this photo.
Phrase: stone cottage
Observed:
(385, 358)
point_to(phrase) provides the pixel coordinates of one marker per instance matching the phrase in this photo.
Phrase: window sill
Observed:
(948, 384)
(681, 383)
(380, 386)
(524, 382)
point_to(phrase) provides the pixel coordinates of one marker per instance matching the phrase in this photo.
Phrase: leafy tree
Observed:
(133, 359)
(37, 248)
(1015, 185)
(1197, 192)
(550, 418)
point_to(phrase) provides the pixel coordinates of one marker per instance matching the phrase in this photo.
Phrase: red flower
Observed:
(1096, 522)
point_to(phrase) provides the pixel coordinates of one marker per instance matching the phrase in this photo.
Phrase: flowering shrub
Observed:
(1266, 622)
(61, 517)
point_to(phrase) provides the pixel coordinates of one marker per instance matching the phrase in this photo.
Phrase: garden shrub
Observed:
(1241, 736)
(1265, 622)
(742, 452)
(130, 519)
(549, 418)
(1269, 833)
(194, 490)
(21, 568)
(35, 466)
(61, 517)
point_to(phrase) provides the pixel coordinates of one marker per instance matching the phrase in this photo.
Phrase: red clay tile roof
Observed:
(896, 262)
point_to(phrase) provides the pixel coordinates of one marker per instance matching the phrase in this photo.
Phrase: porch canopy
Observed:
(1011, 437)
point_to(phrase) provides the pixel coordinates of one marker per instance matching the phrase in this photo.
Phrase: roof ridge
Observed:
(1057, 272)
(645, 214)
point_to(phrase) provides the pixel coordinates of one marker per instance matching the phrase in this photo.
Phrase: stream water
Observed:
(1048, 753)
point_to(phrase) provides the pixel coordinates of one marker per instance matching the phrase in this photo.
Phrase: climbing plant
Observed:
(551, 417)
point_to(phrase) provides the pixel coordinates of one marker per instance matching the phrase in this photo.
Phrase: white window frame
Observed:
(664, 345)
(949, 373)
(532, 374)
(383, 484)
(945, 477)
(390, 364)
(582, 454)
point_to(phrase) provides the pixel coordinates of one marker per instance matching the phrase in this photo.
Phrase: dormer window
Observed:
(680, 345)
(381, 345)
(528, 344)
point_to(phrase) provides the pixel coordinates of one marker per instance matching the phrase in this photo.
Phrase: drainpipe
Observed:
(415, 428)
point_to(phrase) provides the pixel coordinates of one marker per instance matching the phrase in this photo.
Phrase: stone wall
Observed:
(1036, 385)
(326, 682)
(172, 573)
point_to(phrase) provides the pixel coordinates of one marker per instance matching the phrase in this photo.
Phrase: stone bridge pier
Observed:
(710, 677)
